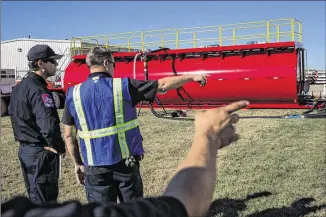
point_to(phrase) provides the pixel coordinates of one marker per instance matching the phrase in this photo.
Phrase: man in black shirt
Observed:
(189, 193)
(106, 171)
(35, 123)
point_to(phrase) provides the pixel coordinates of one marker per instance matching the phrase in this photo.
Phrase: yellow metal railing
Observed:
(288, 29)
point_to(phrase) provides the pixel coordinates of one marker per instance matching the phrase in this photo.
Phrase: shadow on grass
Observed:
(297, 209)
(231, 207)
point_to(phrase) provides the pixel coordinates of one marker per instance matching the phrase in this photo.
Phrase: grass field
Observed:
(277, 168)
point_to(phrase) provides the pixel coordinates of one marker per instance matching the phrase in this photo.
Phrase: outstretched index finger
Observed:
(236, 106)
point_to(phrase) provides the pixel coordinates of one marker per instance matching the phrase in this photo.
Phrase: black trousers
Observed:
(40, 169)
(107, 183)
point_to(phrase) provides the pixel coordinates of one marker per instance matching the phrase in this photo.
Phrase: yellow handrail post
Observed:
(106, 42)
(162, 40)
(142, 41)
(268, 31)
(292, 29)
(220, 30)
(234, 37)
(129, 49)
(176, 38)
(278, 33)
(195, 44)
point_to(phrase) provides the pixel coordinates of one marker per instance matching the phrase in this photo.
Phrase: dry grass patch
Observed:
(274, 164)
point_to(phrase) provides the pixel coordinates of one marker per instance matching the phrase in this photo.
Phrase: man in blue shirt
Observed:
(103, 111)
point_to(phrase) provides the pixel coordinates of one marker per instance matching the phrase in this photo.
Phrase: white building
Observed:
(14, 54)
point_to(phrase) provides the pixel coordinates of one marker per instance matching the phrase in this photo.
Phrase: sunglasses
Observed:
(50, 60)
(112, 63)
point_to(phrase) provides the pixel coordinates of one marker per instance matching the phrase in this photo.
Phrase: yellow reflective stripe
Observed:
(118, 108)
(118, 102)
(82, 122)
(109, 131)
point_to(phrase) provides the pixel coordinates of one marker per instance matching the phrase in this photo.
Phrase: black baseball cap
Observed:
(42, 51)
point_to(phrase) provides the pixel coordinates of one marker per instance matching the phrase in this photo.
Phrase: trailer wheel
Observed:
(306, 86)
(4, 107)
(59, 100)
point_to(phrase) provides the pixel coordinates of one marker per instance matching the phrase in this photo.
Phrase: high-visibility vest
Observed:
(105, 119)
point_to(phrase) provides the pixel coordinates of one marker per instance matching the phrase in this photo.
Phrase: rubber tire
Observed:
(4, 107)
(59, 100)
(306, 86)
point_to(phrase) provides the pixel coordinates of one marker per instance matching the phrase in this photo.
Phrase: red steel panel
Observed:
(267, 81)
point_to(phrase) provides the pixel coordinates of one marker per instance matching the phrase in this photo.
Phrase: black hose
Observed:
(314, 106)
(146, 79)
(314, 116)
(262, 116)
(170, 118)
(178, 89)
(319, 114)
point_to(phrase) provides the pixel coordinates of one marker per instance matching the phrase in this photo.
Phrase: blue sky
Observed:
(60, 20)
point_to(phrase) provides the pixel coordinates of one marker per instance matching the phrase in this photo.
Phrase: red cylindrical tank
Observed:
(264, 74)
(76, 72)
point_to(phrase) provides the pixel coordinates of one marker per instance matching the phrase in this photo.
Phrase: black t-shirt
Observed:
(146, 207)
(138, 90)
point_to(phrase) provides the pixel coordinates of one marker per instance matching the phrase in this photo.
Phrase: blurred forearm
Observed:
(173, 82)
(194, 181)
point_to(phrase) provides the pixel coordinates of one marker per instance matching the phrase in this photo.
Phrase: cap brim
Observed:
(56, 57)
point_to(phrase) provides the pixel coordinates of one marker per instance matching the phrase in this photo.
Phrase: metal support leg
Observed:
(141, 104)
